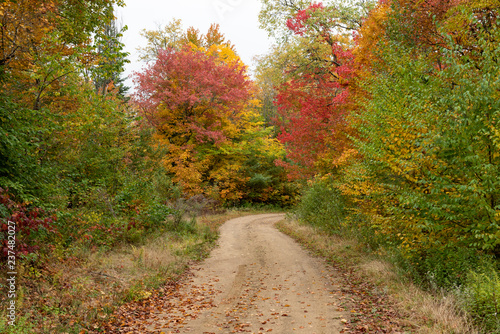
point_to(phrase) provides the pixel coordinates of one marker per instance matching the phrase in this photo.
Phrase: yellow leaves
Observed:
(255, 104)
(223, 52)
(465, 20)
(187, 171)
(215, 140)
(371, 34)
(230, 181)
(346, 157)
(92, 217)
(495, 137)
(356, 182)
(143, 294)
(173, 36)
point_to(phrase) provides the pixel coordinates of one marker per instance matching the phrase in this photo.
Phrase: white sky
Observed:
(238, 20)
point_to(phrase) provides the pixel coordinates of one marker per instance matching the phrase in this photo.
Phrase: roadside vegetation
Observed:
(450, 292)
(78, 290)
(389, 113)
(382, 295)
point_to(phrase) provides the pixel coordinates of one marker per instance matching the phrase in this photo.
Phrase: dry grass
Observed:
(152, 256)
(441, 311)
(87, 290)
(430, 314)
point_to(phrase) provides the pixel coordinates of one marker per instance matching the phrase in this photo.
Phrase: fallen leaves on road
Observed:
(371, 311)
(166, 311)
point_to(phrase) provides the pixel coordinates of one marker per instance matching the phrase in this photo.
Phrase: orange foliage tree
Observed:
(425, 120)
(44, 41)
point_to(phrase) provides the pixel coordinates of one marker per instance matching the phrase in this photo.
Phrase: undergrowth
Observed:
(95, 259)
(468, 276)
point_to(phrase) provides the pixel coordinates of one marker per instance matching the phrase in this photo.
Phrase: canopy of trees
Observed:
(197, 95)
(390, 109)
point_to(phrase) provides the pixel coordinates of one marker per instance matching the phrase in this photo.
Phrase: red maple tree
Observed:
(190, 95)
(312, 105)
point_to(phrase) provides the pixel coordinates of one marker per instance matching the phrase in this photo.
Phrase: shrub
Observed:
(33, 226)
(482, 299)
(440, 267)
(154, 215)
(322, 205)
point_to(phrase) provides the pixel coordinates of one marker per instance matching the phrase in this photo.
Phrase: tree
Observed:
(193, 100)
(201, 102)
(110, 60)
(44, 41)
(275, 13)
(312, 125)
(172, 36)
(168, 37)
(190, 96)
(312, 78)
(427, 126)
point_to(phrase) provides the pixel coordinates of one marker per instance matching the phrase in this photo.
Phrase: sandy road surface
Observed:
(257, 281)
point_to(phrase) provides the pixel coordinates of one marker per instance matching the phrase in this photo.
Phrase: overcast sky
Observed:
(238, 20)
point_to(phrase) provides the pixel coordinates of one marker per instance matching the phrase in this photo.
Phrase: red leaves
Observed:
(311, 112)
(201, 103)
(194, 90)
(312, 106)
(297, 24)
(26, 221)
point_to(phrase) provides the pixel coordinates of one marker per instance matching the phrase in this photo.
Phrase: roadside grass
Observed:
(78, 293)
(409, 308)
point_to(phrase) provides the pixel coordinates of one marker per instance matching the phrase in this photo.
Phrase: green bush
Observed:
(155, 215)
(441, 267)
(482, 299)
(323, 206)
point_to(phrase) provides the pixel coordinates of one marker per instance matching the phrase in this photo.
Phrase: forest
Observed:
(370, 119)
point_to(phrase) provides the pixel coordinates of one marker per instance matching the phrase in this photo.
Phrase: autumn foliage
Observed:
(191, 97)
(32, 227)
(385, 112)
(201, 102)
(312, 102)
(193, 100)
(311, 121)
(412, 121)
(395, 123)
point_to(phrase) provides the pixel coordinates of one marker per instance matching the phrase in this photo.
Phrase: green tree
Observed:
(111, 59)
(430, 132)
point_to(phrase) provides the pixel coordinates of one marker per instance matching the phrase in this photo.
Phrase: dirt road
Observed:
(257, 281)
